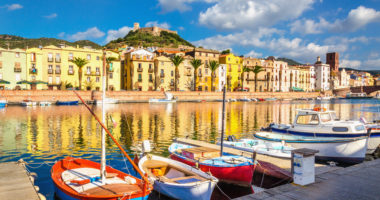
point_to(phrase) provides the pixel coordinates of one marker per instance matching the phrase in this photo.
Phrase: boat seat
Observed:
(151, 164)
(114, 189)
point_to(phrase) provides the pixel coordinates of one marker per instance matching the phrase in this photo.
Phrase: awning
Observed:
(4, 81)
(297, 89)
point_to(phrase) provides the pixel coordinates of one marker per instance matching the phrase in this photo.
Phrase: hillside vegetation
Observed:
(23, 43)
(138, 38)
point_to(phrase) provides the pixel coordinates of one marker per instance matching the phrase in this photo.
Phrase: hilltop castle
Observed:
(154, 30)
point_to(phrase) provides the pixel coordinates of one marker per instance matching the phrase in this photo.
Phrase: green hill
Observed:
(289, 61)
(23, 43)
(138, 38)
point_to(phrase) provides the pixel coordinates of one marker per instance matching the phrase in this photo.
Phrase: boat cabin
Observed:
(322, 120)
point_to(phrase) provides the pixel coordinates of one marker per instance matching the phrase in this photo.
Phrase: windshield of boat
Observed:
(325, 117)
(311, 119)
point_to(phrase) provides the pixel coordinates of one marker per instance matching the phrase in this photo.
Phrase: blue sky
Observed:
(297, 29)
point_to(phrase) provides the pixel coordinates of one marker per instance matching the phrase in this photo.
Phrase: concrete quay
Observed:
(361, 181)
(15, 183)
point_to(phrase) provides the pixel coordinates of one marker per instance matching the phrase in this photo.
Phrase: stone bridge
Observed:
(366, 89)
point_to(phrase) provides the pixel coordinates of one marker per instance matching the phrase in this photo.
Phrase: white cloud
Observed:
(372, 64)
(252, 14)
(14, 6)
(114, 34)
(356, 19)
(61, 34)
(355, 64)
(180, 5)
(181, 28)
(90, 33)
(155, 23)
(51, 16)
(253, 54)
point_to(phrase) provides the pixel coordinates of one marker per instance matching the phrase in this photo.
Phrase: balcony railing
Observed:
(50, 59)
(32, 71)
(139, 69)
(88, 72)
(70, 72)
(97, 73)
(150, 70)
(57, 71)
(162, 75)
(17, 69)
(50, 71)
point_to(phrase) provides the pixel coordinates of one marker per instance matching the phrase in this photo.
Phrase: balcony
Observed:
(139, 69)
(58, 60)
(32, 71)
(57, 71)
(171, 83)
(150, 70)
(70, 72)
(97, 73)
(162, 75)
(17, 69)
(50, 71)
(88, 73)
(50, 59)
(110, 69)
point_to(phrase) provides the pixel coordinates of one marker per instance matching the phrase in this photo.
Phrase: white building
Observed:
(322, 72)
(222, 74)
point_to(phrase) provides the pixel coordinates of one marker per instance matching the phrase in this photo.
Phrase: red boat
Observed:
(76, 178)
(228, 168)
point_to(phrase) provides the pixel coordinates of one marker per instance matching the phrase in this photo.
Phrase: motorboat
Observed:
(227, 168)
(274, 149)
(359, 95)
(254, 99)
(320, 122)
(169, 99)
(176, 179)
(245, 99)
(28, 103)
(271, 99)
(337, 149)
(44, 103)
(66, 103)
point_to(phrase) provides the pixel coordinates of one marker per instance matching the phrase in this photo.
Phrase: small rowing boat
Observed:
(176, 179)
(66, 103)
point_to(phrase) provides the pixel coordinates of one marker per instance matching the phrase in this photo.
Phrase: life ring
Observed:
(319, 109)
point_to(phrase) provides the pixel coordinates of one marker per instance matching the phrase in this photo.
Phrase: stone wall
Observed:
(138, 96)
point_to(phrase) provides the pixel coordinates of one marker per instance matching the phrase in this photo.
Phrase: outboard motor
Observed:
(231, 138)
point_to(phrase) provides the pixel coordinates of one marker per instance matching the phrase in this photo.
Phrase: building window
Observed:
(33, 57)
(162, 80)
(97, 58)
(57, 57)
(57, 69)
(18, 77)
(88, 79)
(97, 79)
(50, 57)
(206, 54)
(57, 80)
(172, 73)
(88, 56)
(206, 79)
(88, 70)
(162, 62)
(71, 56)
(140, 78)
(229, 59)
(200, 53)
(206, 71)
(50, 80)
(110, 75)
(1, 64)
(17, 54)
(1, 53)
(162, 71)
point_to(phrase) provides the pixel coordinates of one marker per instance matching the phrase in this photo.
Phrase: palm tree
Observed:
(245, 69)
(196, 63)
(256, 70)
(213, 65)
(109, 60)
(80, 63)
(176, 60)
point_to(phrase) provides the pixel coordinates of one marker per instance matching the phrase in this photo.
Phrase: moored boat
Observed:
(341, 150)
(3, 103)
(66, 103)
(169, 99)
(360, 95)
(227, 168)
(44, 103)
(28, 103)
(176, 179)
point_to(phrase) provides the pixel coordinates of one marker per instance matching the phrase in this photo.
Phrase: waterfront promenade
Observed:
(360, 181)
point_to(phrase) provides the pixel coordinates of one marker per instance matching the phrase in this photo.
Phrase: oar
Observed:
(118, 145)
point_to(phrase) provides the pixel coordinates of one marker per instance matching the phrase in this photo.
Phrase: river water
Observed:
(42, 135)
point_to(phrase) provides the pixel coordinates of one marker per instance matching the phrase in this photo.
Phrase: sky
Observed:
(296, 29)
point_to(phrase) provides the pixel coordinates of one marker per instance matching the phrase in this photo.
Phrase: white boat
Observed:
(45, 103)
(275, 149)
(319, 122)
(245, 99)
(360, 95)
(341, 150)
(254, 99)
(169, 99)
(324, 98)
(176, 179)
(232, 100)
(28, 103)
(107, 101)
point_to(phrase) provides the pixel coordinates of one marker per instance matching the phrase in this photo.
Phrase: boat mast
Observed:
(223, 108)
(103, 156)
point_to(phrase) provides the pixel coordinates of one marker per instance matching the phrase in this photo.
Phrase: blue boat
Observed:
(3, 103)
(66, 103)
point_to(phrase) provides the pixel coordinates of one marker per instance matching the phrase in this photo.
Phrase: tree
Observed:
(196, 63)
(213, 65)
(176, 60)
(109, 61)
(245, 69)
(227, 51)
(80, 63)
(256, 70)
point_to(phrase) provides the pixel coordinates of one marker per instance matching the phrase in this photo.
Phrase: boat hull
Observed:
(268, 175)
(240, 175)
(67, 103)
(161, 101)
(65, 192)
(2, 105)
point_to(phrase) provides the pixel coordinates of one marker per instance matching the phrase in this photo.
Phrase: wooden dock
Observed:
(15, 183)
(360, 181)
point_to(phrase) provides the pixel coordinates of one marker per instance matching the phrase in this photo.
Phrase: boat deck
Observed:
(15, 183)
(356, 182)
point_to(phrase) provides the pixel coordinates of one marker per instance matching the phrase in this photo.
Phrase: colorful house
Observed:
(12, 68)
(234, 69)
(139, 70)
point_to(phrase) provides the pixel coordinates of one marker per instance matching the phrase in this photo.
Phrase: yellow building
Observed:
(234, 68)
(12, 68)
(139, 70)
(114, 72)
(54, 66)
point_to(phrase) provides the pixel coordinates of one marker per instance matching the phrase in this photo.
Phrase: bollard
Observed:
(303, 168)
